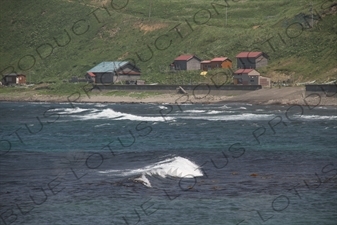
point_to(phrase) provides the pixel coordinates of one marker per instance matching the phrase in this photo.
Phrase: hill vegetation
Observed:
(52, 41)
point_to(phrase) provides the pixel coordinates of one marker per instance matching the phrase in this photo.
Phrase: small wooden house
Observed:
(186, 62)
(113, 72)
(250, 77)
(13, 78)
(205, 65)
(251, 60)
(219, 62)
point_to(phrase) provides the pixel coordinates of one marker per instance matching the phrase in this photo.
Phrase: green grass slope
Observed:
(54, 40)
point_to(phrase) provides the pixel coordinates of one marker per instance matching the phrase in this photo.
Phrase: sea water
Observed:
(63, 163)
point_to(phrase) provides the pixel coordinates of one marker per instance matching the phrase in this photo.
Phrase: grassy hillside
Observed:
(58, 39)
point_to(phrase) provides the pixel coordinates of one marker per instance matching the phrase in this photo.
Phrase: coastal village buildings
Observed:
(113, 72)
(250, 77)
(246, 74)
(251, 60)
(13, 78)
(219, 62)
(186, 62)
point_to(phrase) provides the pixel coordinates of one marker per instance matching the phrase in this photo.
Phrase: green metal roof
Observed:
(108, 66)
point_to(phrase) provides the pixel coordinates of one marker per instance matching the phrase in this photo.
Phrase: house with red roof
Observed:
(250, 77)
(186, 62)
(13, 78)
(219, 62)
(251, 60)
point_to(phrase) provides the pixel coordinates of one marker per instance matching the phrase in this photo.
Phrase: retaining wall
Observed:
(328, 88)
(201, 89)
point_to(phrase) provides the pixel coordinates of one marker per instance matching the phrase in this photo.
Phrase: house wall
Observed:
(253, 80)
(126, 77)
(254, 72)
(10, 79)
(261, 61)
(21, 79)
(238, 79)
(128, 68)
(246, 79)
(264, 81)
(205, 66)
(226, 64)
(215, 65)
(251, 63)
(104, 78)
(180, 65)
(193, 64)
(245, 63)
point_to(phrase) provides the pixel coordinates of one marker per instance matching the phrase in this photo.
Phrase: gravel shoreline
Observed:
(272, 96)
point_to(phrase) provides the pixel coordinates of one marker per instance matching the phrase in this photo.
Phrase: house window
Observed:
(252, 80)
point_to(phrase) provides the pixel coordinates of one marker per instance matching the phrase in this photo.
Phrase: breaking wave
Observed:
(70, 111)
(316, 117)
(173, 167)
(111, 114)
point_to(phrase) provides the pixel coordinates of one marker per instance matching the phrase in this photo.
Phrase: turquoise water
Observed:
(79, 164)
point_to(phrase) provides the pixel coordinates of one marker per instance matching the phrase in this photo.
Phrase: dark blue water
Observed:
(77, 165)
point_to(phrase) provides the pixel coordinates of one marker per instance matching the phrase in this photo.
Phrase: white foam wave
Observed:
(102, 125)
(195, 111)
(70, 111)
(100, 105)
(174, 167)
(213, 112)
(316, 117)
(111, 114)
(143, 179)
(225, 107)
(245, 116)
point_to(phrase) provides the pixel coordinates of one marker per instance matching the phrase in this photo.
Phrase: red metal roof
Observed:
(219, 59)
(184, 57)
(249, 54)
(91, 74)
(239, 71)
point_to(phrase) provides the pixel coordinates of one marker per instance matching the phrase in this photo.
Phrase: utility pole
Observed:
(150, 8)
(312, 15)
(226, 16)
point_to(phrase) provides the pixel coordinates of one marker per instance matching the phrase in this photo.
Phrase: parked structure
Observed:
(186, 62)
(113, 72)
(13, 78)
(251, 60)
(250, 77)
(219, 62)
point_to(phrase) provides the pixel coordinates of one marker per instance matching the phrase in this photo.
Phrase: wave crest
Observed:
(173, 167)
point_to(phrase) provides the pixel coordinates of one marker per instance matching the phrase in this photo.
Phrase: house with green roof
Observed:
(112, 72)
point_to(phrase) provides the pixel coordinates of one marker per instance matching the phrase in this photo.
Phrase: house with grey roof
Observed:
(113, 72)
